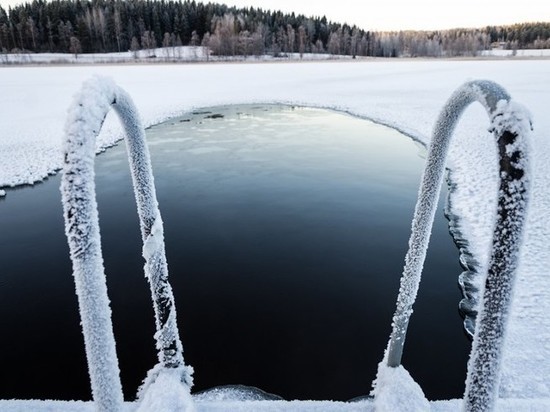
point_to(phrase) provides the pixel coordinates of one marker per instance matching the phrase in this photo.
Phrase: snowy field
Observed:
(517, 53)
(180, 53)
(159, 55)
(200, 54)
(406, 95)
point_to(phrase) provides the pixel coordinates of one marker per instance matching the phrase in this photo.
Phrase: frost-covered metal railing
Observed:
(510, 126)
(85, 119)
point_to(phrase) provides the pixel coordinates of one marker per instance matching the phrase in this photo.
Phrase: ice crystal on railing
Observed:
(510, 125)
(86, 116)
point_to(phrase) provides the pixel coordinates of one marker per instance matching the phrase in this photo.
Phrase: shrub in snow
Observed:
(510, 125)
(84, 122)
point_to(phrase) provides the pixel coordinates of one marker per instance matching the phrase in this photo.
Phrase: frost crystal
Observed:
(510, 125)
(154, 242)
(84, 122)
(165, 391)
(395, 390)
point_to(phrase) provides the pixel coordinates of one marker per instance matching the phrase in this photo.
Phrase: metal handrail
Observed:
(85, 119)
(510, 127)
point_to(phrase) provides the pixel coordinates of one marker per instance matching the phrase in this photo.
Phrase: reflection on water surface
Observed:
(286, 230)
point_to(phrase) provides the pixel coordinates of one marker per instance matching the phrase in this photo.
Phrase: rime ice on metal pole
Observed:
(156, 270)
(84, 122)
(510, 126)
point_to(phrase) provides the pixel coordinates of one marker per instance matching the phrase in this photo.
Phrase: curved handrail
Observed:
(510, 125)
(85, 119)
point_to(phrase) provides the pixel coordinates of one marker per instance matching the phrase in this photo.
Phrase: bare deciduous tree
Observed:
(75, 47)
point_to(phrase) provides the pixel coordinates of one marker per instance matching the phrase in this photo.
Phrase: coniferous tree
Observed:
(111, 25)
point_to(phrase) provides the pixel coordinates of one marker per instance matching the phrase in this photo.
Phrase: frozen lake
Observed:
(286, 230)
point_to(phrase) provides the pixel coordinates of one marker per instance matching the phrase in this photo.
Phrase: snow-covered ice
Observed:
(407, 95)
(157, 55)
(395, 390)
(516, 53)
(167, 394)
(454, 405)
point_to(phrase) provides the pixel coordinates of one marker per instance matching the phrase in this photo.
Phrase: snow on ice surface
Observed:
(395, 390)
(407, 95)
(158, 55)
(201, 406)
(516, 53)
(167, 394)
(455, 405)
(235, 393)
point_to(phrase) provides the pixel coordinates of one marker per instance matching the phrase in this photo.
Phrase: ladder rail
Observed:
(86, 116)
(510, 127)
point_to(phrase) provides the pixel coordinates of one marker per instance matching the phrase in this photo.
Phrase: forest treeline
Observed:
(99, 26)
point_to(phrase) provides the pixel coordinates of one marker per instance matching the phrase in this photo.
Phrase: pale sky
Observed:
(404, 14)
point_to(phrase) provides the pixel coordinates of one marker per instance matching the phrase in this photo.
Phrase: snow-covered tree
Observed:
(75, 47)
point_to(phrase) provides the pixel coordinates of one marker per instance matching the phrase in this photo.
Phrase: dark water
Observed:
(286, 231)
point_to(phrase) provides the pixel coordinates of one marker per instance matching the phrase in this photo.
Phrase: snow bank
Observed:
(503, 405)
(454, 405)
(201, 406)
(516, 53)
(157, 55)
(167, 54)
(284, 406)
(395, 390)
(166, 394)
